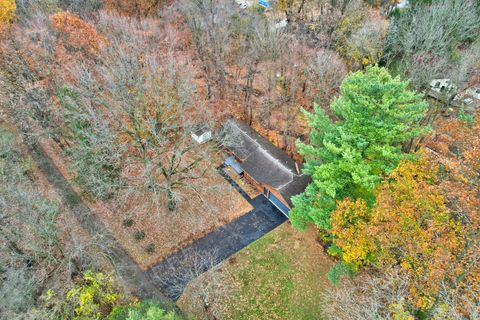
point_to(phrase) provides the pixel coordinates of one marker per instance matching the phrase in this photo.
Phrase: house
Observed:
(439, 88)
(243, 4)
(471, 101)
(265, 166)
(201, 134)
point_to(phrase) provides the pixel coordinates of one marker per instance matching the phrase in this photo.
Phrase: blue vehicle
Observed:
(264, 3)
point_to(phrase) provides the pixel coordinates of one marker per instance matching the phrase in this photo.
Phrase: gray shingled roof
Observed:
(264, 162)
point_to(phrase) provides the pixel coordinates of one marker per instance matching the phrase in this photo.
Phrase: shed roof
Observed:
(200, 129)
(264, 162)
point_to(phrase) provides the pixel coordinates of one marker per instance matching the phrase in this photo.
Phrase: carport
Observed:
(276, 202)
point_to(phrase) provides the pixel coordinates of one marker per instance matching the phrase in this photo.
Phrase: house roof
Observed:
(264, 162)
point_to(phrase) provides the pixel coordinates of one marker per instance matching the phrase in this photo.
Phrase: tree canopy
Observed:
(423, 226)
(7, 11)
(410, 225)
(374, 115)
(434, 39)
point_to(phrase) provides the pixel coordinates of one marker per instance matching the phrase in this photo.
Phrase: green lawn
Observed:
(280, 276)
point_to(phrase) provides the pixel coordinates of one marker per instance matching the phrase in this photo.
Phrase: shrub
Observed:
(127, 223)
(150, 248)
(145, 310)
(26, 164)
(139, 235)
(94, 298)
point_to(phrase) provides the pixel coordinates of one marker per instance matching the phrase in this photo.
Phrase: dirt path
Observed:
(125, 267)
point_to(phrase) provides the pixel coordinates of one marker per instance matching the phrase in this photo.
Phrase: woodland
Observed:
(109, 92)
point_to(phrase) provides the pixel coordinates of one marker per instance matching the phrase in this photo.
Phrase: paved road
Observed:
(174, 273)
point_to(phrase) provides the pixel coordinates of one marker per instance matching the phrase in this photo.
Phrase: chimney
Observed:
(296, 167)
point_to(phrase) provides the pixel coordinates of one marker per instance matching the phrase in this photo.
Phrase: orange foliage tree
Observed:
(409, 226)
(135, 8)
(456, 147)
(75, 34)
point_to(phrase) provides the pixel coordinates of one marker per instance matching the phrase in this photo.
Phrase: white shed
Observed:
(201, 134)
(474, 92)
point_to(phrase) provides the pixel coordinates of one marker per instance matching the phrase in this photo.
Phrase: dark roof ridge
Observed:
(277, 155)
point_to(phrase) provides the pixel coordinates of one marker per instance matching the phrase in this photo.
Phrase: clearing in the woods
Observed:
(280, 276)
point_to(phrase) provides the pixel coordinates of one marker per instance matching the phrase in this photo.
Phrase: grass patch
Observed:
(280, 276)
(73, 198)
(139, 235)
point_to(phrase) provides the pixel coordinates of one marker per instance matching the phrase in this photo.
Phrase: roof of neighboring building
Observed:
(264, 162)
(474, 92)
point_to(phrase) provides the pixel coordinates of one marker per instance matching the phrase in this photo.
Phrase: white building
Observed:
(474, 93)
(442, 85)
(201, 135)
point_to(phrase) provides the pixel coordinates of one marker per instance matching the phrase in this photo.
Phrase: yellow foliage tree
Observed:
(7, 11)
(349, 223)
(409, 226)
(94, 298)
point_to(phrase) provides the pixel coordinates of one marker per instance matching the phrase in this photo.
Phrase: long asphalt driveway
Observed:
(172, 274)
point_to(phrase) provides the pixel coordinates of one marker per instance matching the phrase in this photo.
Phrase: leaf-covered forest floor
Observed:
(77, 241)
(200, 212)
(98, 241)
(280, 276)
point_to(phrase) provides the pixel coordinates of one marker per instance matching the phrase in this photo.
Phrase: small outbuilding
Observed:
(265, 166)
(201, 134)
(474, 93)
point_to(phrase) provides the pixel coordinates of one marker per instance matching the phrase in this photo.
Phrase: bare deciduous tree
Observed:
(209, 22)
(326, 72)
(427, 41)
(366, 296)
(33, 254)
(148, 103)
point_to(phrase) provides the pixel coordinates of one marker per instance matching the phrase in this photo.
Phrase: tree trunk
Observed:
(171, 201)
(248, 93)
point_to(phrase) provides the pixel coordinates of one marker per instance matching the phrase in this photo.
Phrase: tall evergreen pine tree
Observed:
(375, 114)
